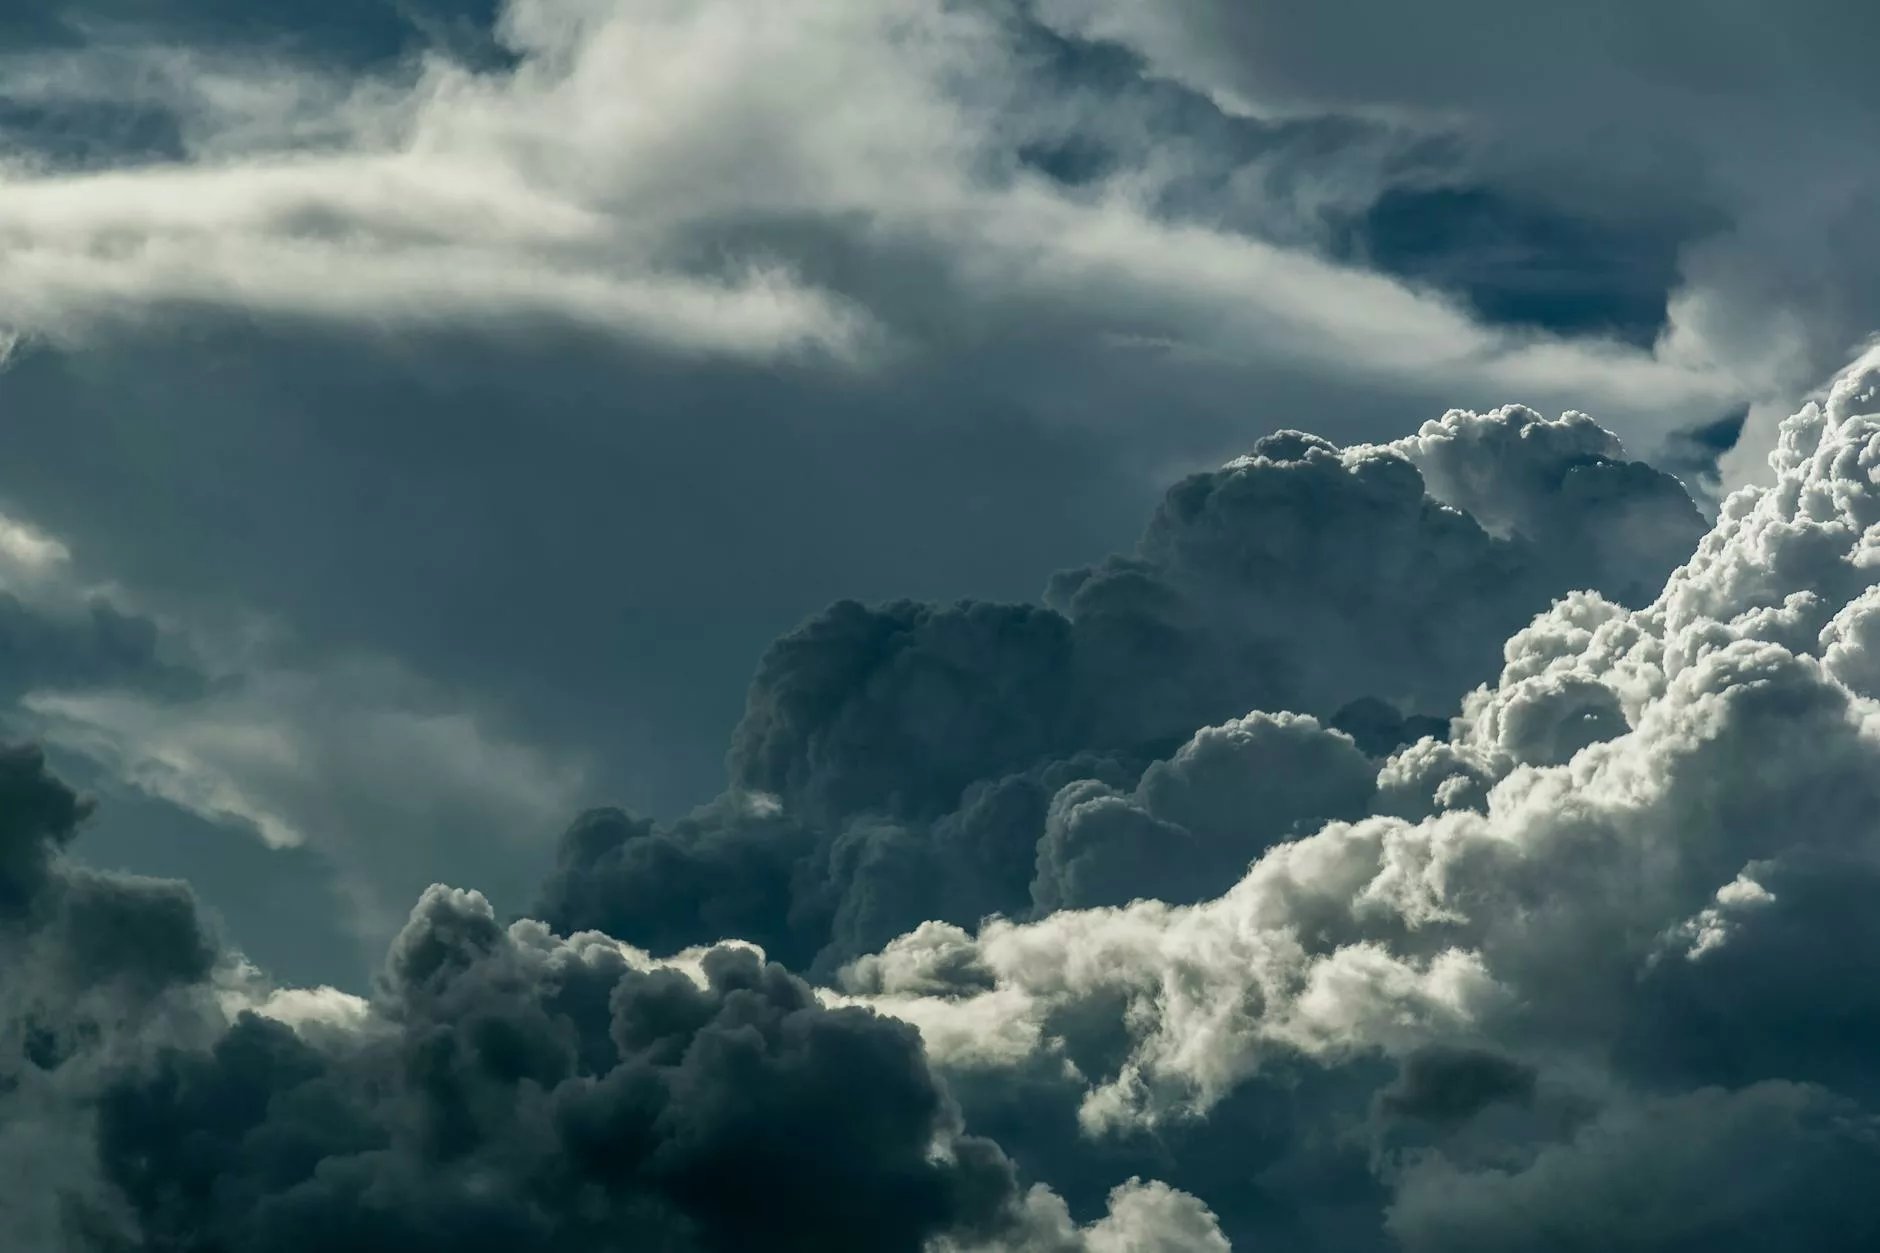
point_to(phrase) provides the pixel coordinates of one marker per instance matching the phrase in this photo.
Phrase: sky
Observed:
(993, 625)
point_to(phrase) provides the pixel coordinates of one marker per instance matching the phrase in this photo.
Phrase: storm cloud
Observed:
(503, 1088)
(1585, 947)
(1435, 826)
(427, 333)
(1559, 979)
(907, 762)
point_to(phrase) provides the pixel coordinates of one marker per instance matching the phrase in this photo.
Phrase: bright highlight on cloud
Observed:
(1580, 968)
(733, 177)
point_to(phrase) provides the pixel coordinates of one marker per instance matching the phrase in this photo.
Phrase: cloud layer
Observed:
(1555, 978)
(1440, 843)
(503, 1089)
(845, 182)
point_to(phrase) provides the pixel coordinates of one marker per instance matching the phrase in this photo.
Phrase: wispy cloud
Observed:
(665, 172)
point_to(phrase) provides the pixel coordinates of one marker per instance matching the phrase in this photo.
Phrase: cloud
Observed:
(1765, 1164)
(1715, 129)
(1173, 913)
(908, 762)
(1593, 952)
(698, 179)
(1142, 1218)
(503, 1088)
(1450, 1085)
(512, 1091)
(94, 966)
(1196, 820)
(1581, 964)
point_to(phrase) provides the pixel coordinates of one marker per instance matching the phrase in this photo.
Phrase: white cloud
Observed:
(27, 555)
(652, 170)
(1141, 1218)
(1731, 743)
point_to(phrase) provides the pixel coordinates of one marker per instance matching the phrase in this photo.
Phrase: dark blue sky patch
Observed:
(88, 133)
(1523, 265)
(345, 31)
(1714, 438)
(1693, 454)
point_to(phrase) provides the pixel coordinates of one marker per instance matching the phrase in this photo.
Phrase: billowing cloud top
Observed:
(909, 762)
(1609, 933)
(1583, 971)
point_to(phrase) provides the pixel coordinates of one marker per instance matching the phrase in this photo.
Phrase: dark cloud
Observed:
(909, 761)
(518, 1093)
(1766, 1167)
(1448, 1085)
(1277, 1162)
(1619, 961)
(74, 931)
(1195, 821)
(40, 817)
(91, 965)
(503, 1089)
(1380, 728)
(1583, 1006)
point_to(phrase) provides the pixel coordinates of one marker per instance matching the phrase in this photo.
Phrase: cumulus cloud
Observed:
(908, 762)
(94, 966)
(514, 1091)
(503, 1088)
(1597, 949)
(1563, 979)
(1383, 854)
(1195, 820)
